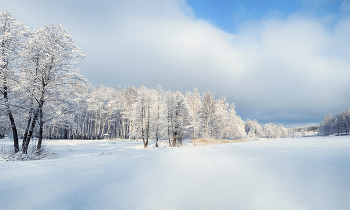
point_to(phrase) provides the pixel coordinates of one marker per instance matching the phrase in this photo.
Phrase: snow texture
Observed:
(300, 173)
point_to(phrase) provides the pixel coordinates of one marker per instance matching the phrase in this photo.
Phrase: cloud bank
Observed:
(290, 71)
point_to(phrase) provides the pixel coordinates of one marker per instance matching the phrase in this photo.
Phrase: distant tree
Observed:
(253, 129)
(207, 113)
(143, 115)
(159, 112)
(193, 99)
(236, 125)
(345, 119)
(127, 100)
(221, 125)
(181, 119)
(324, 129)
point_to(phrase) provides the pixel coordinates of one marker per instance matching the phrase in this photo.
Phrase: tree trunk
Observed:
(26, 139)
(174, 140)
(14, 131)
(41, 125)
(11, 118)
(157, 136)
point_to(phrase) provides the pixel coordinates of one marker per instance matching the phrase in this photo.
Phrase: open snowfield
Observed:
(300, 173)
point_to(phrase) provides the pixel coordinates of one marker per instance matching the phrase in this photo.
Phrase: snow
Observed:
(299, 173)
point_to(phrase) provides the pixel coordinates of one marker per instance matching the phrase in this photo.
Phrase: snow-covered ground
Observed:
(300, 173)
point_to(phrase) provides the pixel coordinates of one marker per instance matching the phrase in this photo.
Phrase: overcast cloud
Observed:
(290, 71)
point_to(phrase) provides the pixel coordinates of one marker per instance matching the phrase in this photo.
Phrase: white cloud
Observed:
(272, 68)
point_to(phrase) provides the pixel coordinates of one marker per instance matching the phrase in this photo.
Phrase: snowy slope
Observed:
(302, 173)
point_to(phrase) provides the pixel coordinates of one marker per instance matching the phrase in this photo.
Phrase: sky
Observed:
(285, 62)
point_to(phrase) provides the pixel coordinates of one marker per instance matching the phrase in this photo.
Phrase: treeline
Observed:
(337, 125)
(45, 97)
(145, 113)
(154, 114)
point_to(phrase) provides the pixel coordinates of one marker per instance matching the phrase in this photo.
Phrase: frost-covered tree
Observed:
(272, 131)
(127, 99)
(169, 106)
(221, 122)
(12, 36)
(142, 115)
(180, 119)
(253, 129)
(324, 129)
(193, 100)
(345, 120)
(207, 113)
(50, 55)
(236, 125)
(283, 131)
(339, 124)
(159, 112)
(269, 130)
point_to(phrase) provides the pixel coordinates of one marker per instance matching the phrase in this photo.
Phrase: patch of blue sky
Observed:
(229, 15)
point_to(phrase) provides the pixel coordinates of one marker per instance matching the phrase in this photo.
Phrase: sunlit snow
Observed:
(299, 173)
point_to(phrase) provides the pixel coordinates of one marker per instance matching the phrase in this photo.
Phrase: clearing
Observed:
(299, 173)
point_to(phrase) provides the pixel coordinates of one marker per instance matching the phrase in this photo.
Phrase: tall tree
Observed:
(221, 125)
(158, 110)
(207, 113)
(180, 119)
(236, 124)
(51, 55)
(142, 115)
(193, 99)
(12, 35)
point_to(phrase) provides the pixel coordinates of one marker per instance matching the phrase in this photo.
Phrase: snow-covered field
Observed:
(300, 173)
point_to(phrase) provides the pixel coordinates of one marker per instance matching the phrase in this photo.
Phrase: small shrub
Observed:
(7, 153)
(206, 141)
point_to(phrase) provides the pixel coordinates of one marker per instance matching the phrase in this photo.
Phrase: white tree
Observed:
(127, 99)
(236, 125)
(221, 125)
(169, 107)
(50, 55)
(142, 116)
(283, 131)
(324, 129)
(180, 123)
(253, 129)
(193, 99)
(269, 130)
(12, 35)
(159, 112)
(207, 113)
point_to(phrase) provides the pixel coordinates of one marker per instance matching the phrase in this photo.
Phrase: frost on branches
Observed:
(39, 82)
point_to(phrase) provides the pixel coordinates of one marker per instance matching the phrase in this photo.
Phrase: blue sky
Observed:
(279, 61)
(228, 15)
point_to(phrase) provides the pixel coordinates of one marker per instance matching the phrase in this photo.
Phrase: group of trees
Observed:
(145, 113)
(37, 81)
(155, 114)
(339, 124)
(44, 96)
